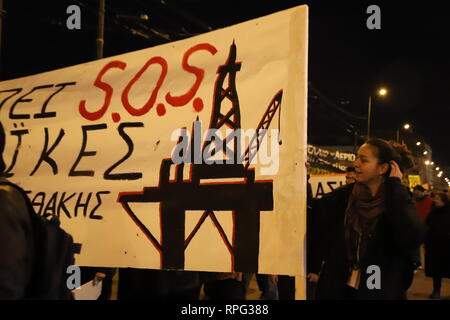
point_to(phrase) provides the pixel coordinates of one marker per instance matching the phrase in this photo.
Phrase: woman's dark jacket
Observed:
(437, 245)
(391, 245)
(16, 244)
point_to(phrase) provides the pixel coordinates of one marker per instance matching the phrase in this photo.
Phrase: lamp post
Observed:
(382, 92)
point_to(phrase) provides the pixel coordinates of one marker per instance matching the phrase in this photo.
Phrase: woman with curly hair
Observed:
(366, 234)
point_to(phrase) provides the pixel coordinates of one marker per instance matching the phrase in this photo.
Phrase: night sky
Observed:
(347, 61)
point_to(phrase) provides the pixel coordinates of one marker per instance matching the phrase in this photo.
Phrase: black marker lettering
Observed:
(99, 202)
(84, 153)
(44, 113)
(124, 176)
(45, 155)
(19, 134)
(16, 91)
(13, 115)
(34, 202)
(51, 205)
(331, 184)
(320, 192)
(84, 205)
(62, 204)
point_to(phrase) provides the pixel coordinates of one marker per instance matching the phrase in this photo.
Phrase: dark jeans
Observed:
(311, 288)
(268, 288)
(437, 281)
(286, 288)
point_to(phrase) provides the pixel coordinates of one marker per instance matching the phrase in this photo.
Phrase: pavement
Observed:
(423, 286)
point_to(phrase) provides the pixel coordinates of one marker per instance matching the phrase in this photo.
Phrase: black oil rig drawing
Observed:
(246, 199)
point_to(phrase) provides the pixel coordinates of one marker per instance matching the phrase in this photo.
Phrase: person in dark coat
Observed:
(16, 244)
(437, 245)
(366, 233)
(16, 238)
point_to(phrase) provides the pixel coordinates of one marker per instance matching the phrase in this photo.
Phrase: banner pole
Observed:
(101, 28)
(1, 34)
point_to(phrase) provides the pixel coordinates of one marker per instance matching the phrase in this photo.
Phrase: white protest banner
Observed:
(325, 183)
(118, 149)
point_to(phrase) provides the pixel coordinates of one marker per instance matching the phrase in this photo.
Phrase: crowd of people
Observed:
(372, 221)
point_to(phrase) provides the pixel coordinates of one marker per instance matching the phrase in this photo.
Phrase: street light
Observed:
(418, 143)
(425, 153)
(406, 127)
(381, 92)
(427, 162)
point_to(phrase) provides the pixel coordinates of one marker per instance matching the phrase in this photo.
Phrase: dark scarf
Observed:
(361, 217)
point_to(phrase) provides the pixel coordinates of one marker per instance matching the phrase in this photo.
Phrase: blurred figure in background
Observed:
(423, 202)
(437, 245)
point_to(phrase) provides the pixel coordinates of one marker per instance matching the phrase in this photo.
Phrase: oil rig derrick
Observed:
(245, 199)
